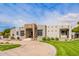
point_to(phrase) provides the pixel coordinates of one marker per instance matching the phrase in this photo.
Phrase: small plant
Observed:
(56, 39)
(44, 38)
(18, 38)
(6, 42)
(52, 38)
(48, 39)
(1, 43)
(12, 37)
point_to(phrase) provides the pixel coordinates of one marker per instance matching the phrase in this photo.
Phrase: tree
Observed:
(76, 29)
(78, 22)
(1, 33)
(6, 33)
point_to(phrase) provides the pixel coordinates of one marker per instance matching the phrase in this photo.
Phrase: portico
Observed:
(31, 31)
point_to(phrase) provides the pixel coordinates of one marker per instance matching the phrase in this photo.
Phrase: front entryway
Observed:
(76, 35)
(29, 33)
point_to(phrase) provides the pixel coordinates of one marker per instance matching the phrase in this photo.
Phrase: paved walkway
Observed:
(31, 48)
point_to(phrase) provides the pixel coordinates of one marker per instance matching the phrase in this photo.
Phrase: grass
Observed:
(67, 48)
(4, 47)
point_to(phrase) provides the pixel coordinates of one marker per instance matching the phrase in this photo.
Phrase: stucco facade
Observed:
(41, 31)
(61, 31)
(35, 31)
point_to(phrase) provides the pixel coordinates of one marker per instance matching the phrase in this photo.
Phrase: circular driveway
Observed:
(31, 48)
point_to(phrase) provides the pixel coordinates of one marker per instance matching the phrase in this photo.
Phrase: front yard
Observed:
(67, 48)
(4, 47)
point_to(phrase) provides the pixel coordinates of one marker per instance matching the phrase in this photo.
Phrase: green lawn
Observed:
(4, 47)
(66, 48)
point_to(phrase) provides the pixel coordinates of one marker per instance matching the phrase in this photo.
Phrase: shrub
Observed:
(6, 42)
(47, 39)
(12, 37)
(44, 38)
(57, 39)
(1, 43)
(18, 38)
(52, 38)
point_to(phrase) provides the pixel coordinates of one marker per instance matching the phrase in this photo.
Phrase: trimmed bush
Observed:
(6, 42)
(18, 38)
(57, 39)
(12, 37)
(44, 38)
(52, 38)
(47, 39)
(1, 43)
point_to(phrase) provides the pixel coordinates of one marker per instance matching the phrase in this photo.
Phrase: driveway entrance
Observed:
(31, 48)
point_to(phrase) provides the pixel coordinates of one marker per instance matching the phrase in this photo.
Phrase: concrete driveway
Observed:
(30, 48)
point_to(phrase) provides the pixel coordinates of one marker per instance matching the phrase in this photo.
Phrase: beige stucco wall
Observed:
(48, 31)
(15, 30)
(41, 27)
(54, 30)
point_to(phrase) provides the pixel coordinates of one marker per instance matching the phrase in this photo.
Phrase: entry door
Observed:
(29, 33)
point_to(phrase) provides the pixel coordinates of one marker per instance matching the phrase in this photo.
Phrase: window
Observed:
(63, 32)
(22, 33)
(39, 32)
(17, 33)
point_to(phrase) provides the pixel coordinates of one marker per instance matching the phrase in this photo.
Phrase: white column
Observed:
(70, 32)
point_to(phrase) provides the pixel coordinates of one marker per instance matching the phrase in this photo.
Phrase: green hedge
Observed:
(48, 39)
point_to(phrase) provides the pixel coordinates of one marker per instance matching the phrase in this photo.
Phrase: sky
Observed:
(18, 14)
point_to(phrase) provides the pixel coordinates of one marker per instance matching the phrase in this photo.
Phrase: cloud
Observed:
(55, 17)
(19, 22)
(71, 17)
(50, 14)
(49, 18)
